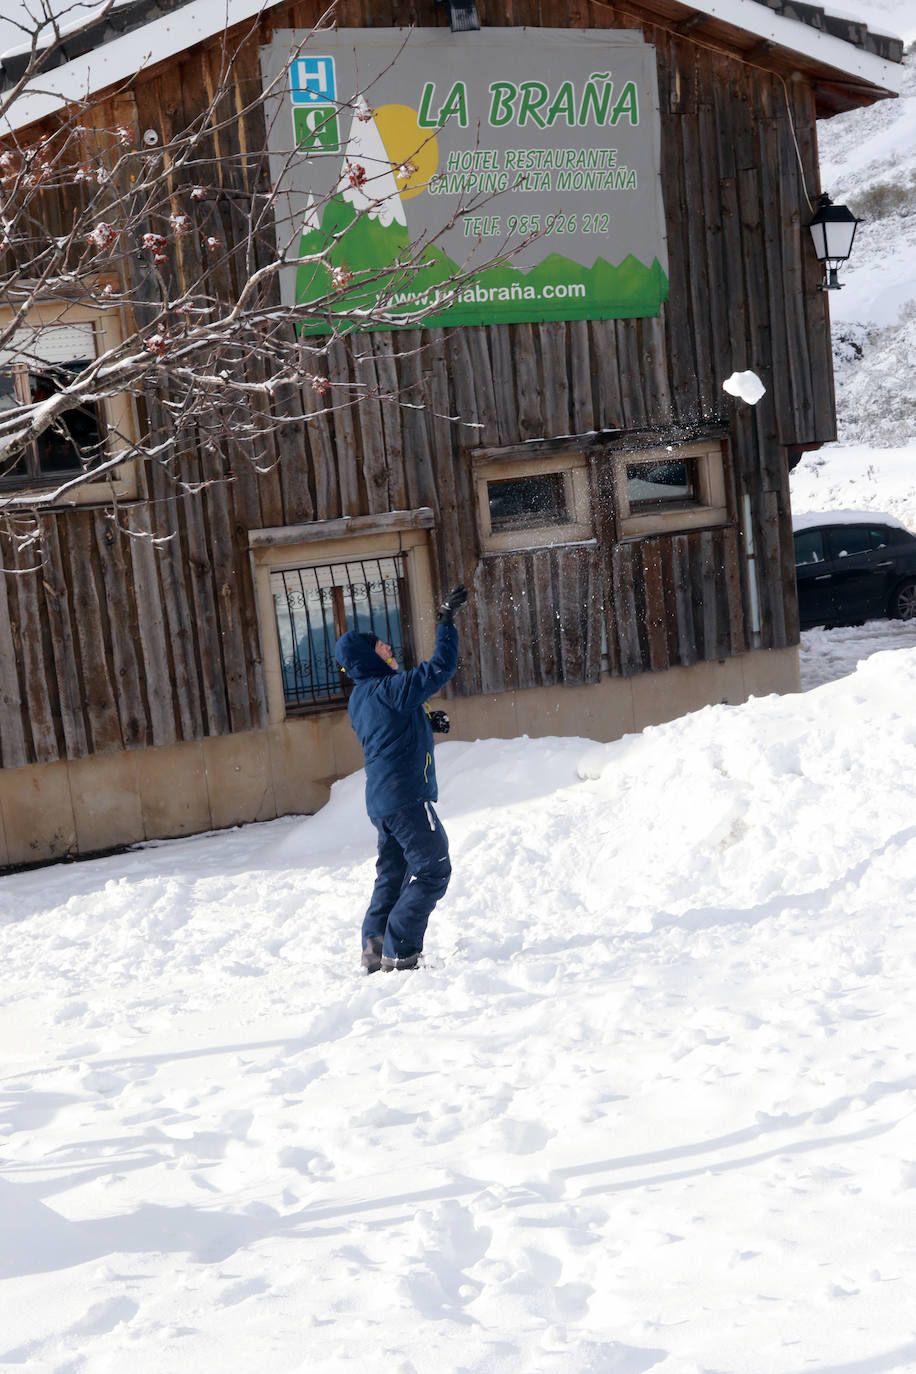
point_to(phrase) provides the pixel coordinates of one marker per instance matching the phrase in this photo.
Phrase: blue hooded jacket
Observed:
(386, 711)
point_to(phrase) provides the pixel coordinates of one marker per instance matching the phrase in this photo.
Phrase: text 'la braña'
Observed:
(534, 102)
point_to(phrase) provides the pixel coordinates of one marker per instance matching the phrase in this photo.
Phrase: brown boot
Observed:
(372, 954)
(409, 961)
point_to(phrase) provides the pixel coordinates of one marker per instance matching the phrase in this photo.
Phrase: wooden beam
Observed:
(387, 523)
(692, 22)
(544, 448)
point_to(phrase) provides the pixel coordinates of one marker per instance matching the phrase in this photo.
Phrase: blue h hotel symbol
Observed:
(315, 118)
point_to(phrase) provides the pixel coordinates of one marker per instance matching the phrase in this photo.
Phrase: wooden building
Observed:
(161, 686)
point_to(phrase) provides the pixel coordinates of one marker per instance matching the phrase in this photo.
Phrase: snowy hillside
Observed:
(858, 477)
(868, 161)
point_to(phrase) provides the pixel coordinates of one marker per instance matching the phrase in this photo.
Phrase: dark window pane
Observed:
(520, 503)
(846, 540)
(74, 443)
(661, 483)
(809, 546)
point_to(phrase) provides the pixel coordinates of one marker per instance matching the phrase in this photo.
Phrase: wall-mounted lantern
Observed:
(462, 15)
(833, 230)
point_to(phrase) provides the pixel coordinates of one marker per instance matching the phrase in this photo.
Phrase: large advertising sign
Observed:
(478, 178)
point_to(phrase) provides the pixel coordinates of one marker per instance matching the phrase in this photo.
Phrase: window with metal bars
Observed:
(314, 605)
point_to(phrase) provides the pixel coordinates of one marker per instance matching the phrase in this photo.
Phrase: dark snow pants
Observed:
(411, 875)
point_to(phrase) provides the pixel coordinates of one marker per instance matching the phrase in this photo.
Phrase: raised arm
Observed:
(406, 691)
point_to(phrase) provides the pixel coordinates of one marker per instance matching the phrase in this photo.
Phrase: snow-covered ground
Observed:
(651, 1105)
(826, 655)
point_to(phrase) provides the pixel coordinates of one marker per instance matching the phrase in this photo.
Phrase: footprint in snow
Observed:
(444, 1242)
(239, 1292)
(519, 1137)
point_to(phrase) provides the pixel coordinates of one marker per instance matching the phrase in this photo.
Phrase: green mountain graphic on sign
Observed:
(385, 274)
(366, 248)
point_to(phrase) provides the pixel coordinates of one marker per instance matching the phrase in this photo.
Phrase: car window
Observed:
(889, 534)
(809, 546)
(845, 540)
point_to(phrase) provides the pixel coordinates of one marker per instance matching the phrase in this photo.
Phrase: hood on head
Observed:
(357, 657)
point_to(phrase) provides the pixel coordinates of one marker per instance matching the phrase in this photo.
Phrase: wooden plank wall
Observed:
(111, 641)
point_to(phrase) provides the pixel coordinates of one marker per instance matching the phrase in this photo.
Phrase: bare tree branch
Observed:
(177, 241)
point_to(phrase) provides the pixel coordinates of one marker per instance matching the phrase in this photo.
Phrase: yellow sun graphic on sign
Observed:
(414, 152)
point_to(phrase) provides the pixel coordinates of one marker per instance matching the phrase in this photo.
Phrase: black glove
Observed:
(440, 722)
(452, 603)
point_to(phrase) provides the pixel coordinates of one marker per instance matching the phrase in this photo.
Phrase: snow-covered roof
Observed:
(83, 18)
(844, 21)
(137, 35)
(812, 519)
(853, 11)
(120, 56)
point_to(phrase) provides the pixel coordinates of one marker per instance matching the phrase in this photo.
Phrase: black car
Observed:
(853, 566)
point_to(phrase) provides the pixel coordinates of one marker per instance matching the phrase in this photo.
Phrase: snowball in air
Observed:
(747, 385)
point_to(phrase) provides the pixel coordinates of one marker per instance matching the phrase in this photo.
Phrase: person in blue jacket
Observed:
(387, 712)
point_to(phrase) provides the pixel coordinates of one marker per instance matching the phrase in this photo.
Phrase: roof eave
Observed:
(78, 81)
(818, 54)
(844, 72)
